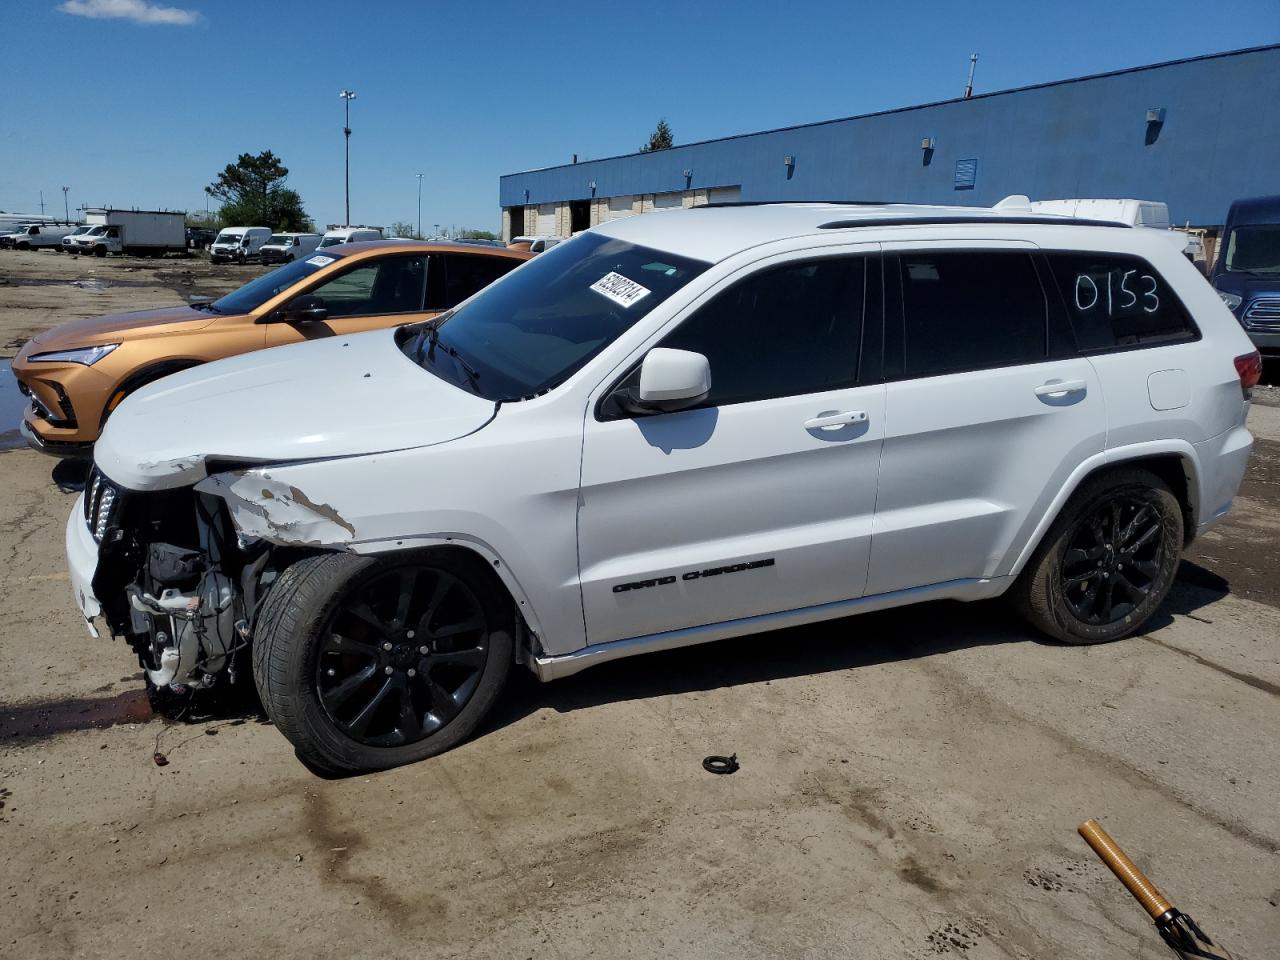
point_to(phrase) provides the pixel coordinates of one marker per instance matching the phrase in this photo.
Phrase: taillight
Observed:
(1249, 366)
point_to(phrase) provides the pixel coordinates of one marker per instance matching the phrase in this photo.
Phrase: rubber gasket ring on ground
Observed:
(721, 765)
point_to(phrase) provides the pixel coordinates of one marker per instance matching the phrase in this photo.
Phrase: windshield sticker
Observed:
(320, 261)
(619, 289)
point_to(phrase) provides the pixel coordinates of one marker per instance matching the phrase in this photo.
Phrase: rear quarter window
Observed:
(1116, 301)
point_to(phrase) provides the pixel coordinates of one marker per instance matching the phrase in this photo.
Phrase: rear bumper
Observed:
(82, 564)
(1223, 461)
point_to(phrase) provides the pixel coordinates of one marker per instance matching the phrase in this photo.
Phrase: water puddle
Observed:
(36, 721)
(12, 406)
(89, 283)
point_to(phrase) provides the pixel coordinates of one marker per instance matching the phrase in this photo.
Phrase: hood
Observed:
(336, 397)
(84, 333)
(1248, 285)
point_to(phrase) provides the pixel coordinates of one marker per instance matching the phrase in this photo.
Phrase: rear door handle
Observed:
(833, 421)
(1060, 388)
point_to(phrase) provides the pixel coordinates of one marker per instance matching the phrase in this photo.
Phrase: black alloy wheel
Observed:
(1112, 561)
(366, 663)
(1107, 562)
(400, 657)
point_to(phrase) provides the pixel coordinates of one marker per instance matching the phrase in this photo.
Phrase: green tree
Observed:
(402, 229)
(478, 235)
(252, 192)
(660, 139)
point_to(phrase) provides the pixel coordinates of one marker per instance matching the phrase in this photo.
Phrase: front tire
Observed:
(1108, 561)
(367, 663)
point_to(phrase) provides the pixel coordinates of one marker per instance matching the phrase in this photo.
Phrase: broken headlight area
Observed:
(175, 580)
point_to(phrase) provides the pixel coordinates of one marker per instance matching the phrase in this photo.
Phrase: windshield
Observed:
(257, 292)
(97, 231)
(332, 241)
(81, 230)
(231, 238)
(1254, 249)
(279, 240)
(534, 328)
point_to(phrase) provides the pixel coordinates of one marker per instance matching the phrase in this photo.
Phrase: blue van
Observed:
(1247, 274)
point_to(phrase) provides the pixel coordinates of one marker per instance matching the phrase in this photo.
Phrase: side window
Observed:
(391, 285)
(1114, 300)
(970, 311)
(465, 275)
(784, 331)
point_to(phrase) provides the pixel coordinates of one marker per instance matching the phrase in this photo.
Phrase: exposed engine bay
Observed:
(176, 581)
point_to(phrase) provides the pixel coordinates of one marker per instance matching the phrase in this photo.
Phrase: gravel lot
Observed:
(910, 785)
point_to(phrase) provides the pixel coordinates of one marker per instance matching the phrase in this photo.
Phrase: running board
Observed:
(555, 667)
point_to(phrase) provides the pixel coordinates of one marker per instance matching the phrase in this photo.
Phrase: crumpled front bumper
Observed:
(82, 564)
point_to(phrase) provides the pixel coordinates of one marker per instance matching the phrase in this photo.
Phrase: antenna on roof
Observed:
(973, 65)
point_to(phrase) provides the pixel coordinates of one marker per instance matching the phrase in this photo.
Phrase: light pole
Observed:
(419, 206)
(66, 209)
(347, 96)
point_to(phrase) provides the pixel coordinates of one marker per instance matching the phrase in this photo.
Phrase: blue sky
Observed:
(131, 112)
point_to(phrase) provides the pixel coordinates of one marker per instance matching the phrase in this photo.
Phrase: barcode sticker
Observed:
(320, 261)
(619, 289)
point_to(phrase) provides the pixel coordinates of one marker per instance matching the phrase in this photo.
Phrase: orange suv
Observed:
(76, 374)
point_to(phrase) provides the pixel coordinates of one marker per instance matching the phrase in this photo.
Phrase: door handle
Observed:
(1060, 388)
(833, 421)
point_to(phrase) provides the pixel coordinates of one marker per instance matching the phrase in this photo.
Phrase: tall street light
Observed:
(419, 206)
(66, 209)
(347, 96)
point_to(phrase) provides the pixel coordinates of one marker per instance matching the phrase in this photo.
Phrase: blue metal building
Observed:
(1196, 133)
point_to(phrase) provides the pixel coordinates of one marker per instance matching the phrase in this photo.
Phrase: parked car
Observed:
(285, 247)
(42, 236)
(336, 235)
(534, 244)
(200, 238)
(675, 429)
(9, 238)
(77, 374)
(140, 233)
(68, 244)
(1247, 272)
(238, 244)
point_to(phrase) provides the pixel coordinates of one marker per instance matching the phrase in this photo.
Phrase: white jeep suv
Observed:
(670, 430)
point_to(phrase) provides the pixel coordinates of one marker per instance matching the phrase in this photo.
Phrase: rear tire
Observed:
(1108, 561)
(338, 661)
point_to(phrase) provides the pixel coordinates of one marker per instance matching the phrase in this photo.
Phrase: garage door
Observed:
(546, 219)
(724, 195)
(618, 207)
(668, 201)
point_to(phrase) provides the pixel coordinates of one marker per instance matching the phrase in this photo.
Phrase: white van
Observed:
(240, 244)
(286, 247)
(350, 235)
(41, 235)
(1136, 213)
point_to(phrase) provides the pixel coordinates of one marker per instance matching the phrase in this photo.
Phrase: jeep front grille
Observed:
(1263, 314)
(102, 500)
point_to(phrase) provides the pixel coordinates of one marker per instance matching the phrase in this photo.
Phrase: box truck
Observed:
(142, 233)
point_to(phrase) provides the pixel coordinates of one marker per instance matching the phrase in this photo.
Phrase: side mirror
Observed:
(307, 308)
(673, 380)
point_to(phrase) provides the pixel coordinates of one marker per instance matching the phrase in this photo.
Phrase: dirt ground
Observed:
(910, 786)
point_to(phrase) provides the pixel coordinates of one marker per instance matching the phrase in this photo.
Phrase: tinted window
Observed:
(390, 285)
(970, 311)
(781, 332)
(1118, 301)
(465, 275)
(529, 333)
(257, 292)
(1254, 249)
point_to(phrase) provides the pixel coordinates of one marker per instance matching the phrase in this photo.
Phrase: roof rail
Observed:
(768, 203)
(922, 219)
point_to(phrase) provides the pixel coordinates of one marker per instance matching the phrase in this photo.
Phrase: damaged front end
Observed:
(176, 580)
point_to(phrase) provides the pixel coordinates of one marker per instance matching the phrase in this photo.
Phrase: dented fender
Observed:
(278, 512)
